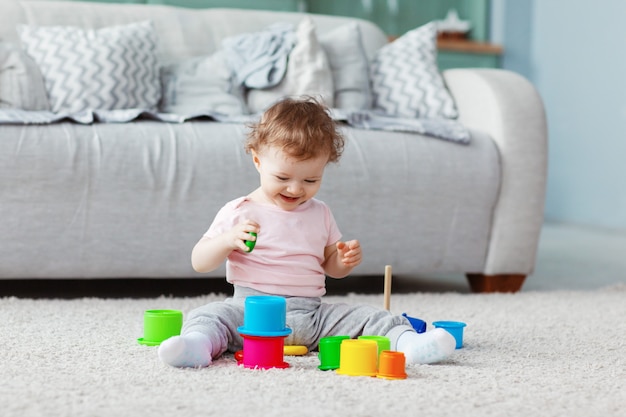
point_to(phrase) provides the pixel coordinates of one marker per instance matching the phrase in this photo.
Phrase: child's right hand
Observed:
(241, 232)
(209, 253)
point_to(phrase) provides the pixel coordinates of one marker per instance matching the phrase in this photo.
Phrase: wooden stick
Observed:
(387, 290)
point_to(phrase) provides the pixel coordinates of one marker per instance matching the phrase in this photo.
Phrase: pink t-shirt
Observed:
(289, 252)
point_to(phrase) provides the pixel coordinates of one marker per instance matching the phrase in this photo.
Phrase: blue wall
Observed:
(574, 51)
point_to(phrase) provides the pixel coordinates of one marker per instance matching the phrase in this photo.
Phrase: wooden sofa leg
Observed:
(495, 283)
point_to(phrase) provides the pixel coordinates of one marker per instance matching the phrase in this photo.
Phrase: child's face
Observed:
(285, 181)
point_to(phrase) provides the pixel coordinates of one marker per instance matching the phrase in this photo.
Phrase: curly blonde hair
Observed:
(302, 127)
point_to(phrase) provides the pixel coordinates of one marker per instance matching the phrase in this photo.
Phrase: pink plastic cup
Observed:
(263, 352)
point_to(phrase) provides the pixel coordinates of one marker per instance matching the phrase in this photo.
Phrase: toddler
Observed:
(298, 244)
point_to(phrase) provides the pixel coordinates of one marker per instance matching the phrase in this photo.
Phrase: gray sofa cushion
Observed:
(198, 85)
(349, 65)
(21, 83)
(105, 195)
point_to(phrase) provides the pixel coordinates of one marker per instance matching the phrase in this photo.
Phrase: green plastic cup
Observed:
(159, 325)
(382, 342)
(329, 352)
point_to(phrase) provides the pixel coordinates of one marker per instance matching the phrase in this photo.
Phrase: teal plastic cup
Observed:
(330, 352)
(455, 328)
(265, 315)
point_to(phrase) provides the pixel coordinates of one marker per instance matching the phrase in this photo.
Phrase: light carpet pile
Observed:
(559, 353)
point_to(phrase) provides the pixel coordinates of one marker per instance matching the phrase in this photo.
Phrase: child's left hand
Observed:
(349, 253)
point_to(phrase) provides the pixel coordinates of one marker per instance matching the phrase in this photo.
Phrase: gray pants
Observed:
(308, 317)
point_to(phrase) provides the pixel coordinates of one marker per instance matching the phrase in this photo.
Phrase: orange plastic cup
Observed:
(391, 365)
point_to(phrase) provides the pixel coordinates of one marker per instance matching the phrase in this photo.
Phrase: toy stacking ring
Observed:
(295, 350)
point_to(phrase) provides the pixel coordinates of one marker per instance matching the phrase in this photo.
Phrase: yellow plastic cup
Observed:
(358, 357)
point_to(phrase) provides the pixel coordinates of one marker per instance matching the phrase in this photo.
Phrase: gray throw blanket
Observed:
(259, 60)
(446, 129)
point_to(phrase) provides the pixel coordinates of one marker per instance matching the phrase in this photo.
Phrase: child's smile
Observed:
(289, 199)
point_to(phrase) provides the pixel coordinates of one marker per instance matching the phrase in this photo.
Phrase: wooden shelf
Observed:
(465, 46)
(468, 46)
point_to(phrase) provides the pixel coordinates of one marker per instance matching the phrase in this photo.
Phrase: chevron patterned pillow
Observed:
(406, 81)
(105, 69)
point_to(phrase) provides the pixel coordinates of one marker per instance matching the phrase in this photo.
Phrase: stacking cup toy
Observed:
(265, 315)
(263, 352)
(295, 350)
(391, 365)
(455, 328)
(382, 342)
(330, 352)
(358, 357)
(264, 332)
(159, 325)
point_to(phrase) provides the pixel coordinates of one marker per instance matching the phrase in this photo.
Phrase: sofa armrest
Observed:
(509, 109)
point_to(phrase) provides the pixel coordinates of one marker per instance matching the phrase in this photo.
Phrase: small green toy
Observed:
(250, 243)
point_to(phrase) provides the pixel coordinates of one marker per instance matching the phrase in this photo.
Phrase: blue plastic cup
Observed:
(455, 328)
(265, 315)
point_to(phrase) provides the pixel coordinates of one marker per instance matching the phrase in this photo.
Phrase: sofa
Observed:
(91, 196)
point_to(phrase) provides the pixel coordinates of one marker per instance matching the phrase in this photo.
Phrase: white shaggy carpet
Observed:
(543, 354)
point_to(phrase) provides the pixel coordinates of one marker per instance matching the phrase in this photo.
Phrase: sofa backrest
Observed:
(182, 32)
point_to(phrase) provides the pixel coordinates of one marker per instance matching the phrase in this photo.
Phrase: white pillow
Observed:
(21, 83)
(105, 69)
(200, 85)
(349, 65)
(406, 81)
(308, 73)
